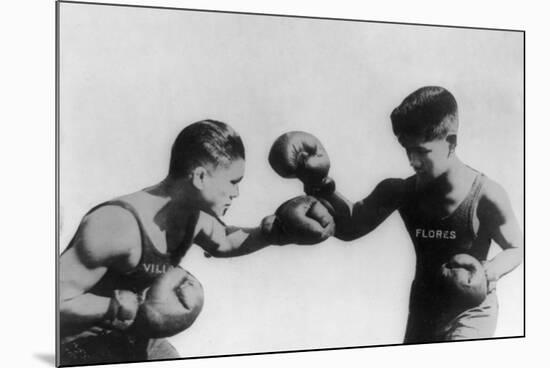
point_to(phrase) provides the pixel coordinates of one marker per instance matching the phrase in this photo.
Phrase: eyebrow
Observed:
(418, 148)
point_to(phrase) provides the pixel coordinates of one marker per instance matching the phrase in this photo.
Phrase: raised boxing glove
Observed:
(301, 155)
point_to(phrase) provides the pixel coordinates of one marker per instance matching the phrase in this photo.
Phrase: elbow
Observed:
(516, 251)
(217, 254)
(520, 253)
(345, 234)
(211, 254)
(346, 229)
(65, 303)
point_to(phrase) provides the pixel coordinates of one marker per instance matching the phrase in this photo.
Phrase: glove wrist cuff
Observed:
(117, 317)
(324, 188)
(270, 230)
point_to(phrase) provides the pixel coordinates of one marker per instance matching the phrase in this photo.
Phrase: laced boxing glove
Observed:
(301, 155)
(302, 220)
(464, 282)
(171, 305)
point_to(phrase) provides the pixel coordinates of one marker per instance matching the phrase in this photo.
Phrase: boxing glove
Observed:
(464, 282)
(302, 220)
(301, 155)
(122, 310)
(171, 305)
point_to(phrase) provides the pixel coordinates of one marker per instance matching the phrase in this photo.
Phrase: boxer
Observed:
(448, 208)
(121, 290)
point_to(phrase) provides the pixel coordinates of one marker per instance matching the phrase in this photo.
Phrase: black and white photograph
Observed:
(233, 183)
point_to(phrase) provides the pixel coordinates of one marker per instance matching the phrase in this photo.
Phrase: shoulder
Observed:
(393, 185)
(492, 191)
(107, 234)
(493, 201)
(394, 188)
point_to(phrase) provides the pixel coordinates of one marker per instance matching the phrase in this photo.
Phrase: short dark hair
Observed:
(206, 141)
(429, 113)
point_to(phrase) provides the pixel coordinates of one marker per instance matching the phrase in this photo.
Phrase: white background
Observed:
(29, 69)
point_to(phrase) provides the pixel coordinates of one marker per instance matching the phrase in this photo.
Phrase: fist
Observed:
(302, 220)
(464, 282)
(301, 155)
(122, 309)
(171, 304)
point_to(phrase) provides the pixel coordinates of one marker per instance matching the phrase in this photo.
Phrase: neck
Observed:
(448, 179)
(177, 192)
(177, 196)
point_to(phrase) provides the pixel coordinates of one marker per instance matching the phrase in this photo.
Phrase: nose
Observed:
(414, 160)
(235, 192)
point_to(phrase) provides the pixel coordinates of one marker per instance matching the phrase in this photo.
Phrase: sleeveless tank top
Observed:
(152, 262)
(99, 345)
(436, 240)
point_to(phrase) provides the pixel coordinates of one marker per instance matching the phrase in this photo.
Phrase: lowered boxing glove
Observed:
(464, 282)
(302, 220)
(171, 305)
(301, 155)
(122, 310)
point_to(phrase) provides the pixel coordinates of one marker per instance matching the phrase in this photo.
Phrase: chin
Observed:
(222, 211)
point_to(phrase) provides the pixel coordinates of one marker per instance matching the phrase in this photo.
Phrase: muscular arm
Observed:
(221, 241)
(356, 220)
(495, 211)
(105, 239)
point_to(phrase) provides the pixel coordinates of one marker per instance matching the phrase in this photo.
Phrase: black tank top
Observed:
(436, 240)
(103, 345)
(152, 262)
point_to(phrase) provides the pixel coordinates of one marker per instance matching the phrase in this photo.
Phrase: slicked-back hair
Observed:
(204, 142)
(429, 113)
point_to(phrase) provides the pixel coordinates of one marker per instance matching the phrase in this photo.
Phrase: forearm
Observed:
(82, 311)
(503, 263)
(242, 241)
(354, 220)
(341, 210)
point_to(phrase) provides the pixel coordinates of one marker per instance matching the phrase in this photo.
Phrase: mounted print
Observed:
(233, 183)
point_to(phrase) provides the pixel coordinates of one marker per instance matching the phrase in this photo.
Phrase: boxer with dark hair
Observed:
(451, 211)
(121, 289)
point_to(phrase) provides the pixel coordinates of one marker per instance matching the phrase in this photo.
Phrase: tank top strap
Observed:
(146, 243)
(149, 252)
(127, 206)
(463, 208)
(467, 209)
(474, 200)
(477, 186)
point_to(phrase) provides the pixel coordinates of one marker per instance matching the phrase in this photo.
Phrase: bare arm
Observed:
(356, 220)
(221, 241)
(496, 212)
(104, 240)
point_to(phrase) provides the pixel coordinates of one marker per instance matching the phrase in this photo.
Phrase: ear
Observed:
(198, 177)
(451, 139)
